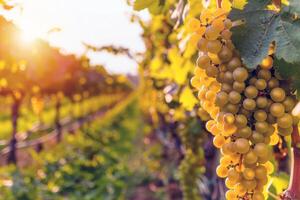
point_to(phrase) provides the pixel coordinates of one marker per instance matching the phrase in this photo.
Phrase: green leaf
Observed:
(288, 71)
(254, 37)
(263, 27)
(254, 5)
(287, 37)
(294, 6)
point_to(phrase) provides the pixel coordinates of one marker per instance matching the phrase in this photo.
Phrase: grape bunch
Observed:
(250, 110)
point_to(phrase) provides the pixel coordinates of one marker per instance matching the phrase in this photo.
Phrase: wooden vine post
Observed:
(293, 191)
(12, 156)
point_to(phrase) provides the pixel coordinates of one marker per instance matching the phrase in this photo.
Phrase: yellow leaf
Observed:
(187, 99)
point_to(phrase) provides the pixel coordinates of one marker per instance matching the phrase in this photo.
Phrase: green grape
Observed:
(240, 74)
(234, 97)
(261, 84)
(234, 63)
(249, 104)
(260, 115)
(242, 145)
(277, 94)
(251, 92)
(225, 54)
(214, 46)
(241, 121)
(277, 109)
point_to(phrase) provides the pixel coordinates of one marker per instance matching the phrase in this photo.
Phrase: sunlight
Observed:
(29, 33)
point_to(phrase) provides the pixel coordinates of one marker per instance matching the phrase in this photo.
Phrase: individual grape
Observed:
(258, 196)
(250, 158)
(238, 86)
(232, 108)
(234, 97)
(225, 160)
(218, 24)
(260, 150)
(248, 174)
(240, 74)
(226, 34)
(240, 121)
(285, 131)
(261, 84)
(289, 104)
(222, 171)
(242, 145)
(285, 121)
(229, 118)
(233, 175)
(226, 87)
(277, 94)
(214, 46)
(264, 74)
(277, 109)
(203, 62)
(210, 124)
(228, 23)
(257, 137)
(229, 183)
(225, 54)
(231, 195)
(228, 77)
(202, 44)
(212, 71)
(260, 172)
(219, 141)
(234, 63)
(249, 184)
(273, 83)
(261, 102)
(227, 148)
(222, 99)
(251, 92)
(252, 80)
(267, 63)
(261, 127)
(210, 95)
(240, 189)
(212, 33)
(270, 131)
(244, 132)
(260, 115)
(249, 104)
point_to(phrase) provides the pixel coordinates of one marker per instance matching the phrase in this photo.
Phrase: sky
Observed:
(96, 22)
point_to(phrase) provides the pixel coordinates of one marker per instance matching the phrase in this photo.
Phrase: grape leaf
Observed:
(253, 38)
(187, 99)
(287, 37)
(288, 71)
(294, 6)
(255, 5)
(262, 27)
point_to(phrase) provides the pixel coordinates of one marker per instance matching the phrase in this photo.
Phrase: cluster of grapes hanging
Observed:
(250, 109)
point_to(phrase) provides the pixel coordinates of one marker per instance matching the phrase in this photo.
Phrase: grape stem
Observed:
(293, 191)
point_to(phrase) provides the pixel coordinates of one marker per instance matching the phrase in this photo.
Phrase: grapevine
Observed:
(250, 109)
